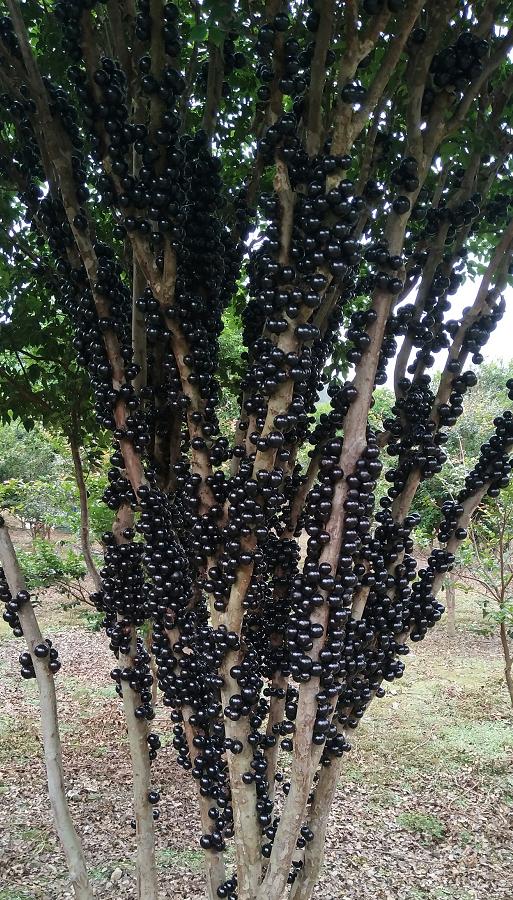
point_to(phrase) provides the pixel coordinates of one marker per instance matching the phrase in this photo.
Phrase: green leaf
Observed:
(216, 35)
(199, 32)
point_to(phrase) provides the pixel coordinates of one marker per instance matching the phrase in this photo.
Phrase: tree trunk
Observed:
(508, 660)
(49, 726)
(324, 795)
(147, 881)
(148, 640)
(137, 732)
(450, 596)
(138, 328)
(84, 513)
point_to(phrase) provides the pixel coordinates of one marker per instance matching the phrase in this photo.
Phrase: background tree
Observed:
(40, 382)
(42, 485)
(34, 478)
(465, 439)
(485, 564)
(328, 162)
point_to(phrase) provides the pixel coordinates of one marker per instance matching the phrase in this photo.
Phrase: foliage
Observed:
(37, 482)
(27, 455)
(39, 377)
(92, 620)
(382, 402)
(424, 824)
(45, 566)
(432, 494)
(42, 505)
(487, 559)
(231, 352)
(485, 401)
(100, 516)
(486, 567)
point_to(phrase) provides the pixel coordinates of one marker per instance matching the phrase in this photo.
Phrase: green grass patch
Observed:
(34, 835)
(427, 826)
(18, 740)
(82, 690)
(450, 893)
(479, 741)
(104, 871)
(92, 621)
(466, 837)
(13, 894)
(187, 859)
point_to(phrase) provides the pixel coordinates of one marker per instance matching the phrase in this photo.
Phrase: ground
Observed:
(424, 807)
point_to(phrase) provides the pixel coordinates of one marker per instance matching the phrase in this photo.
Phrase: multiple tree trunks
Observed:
(358, 201)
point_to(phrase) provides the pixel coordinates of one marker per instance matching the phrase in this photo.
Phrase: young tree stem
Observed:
(49, 722)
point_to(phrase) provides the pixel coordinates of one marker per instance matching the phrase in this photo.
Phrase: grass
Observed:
(508, 788)
(13, 894)
(460, 706)
(34, 835)
(437, 893)
(90, 620)
(18, 740)
(486, 741)
(82, 691)
(103, 872)
(187, 859)
(166, 859)
(427, 826)
(451, 894)
(466, 838)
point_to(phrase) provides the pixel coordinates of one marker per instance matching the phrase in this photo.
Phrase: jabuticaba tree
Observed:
(344, 167)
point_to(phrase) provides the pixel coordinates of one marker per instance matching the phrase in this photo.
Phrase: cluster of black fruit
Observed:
(43, 650)
(233, 59)
(395, 607)
(371, 7)
(492, 472)
(384, 567)
(430, 331)
(459, 63)
(455, 67)
(178, 188)
(287, 71)
(12, 605)
(184, 549)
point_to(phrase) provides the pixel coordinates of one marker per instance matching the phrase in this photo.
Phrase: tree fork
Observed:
(85, 541)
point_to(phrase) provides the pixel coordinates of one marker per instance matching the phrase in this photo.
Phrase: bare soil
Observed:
(424, 806)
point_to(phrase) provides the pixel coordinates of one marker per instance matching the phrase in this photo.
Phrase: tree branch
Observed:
(318, 77)
(49, 723)
(214, 88)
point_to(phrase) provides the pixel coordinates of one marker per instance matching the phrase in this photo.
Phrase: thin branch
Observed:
(489, 68)
(49, 723)
(214, 88)
(137, 732)
(318, 77)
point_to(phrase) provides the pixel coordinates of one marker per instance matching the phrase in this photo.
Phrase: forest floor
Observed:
(424, 808)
